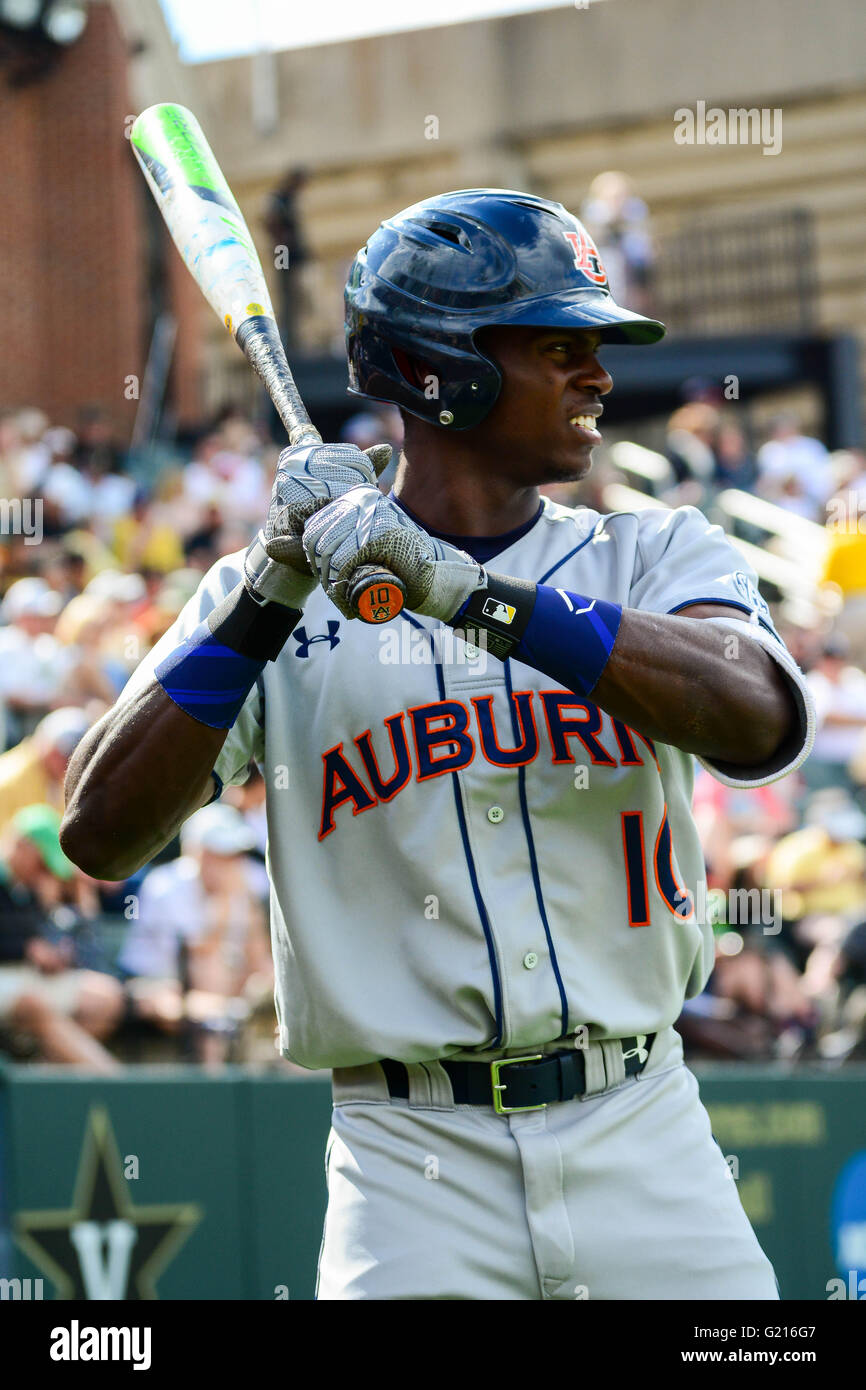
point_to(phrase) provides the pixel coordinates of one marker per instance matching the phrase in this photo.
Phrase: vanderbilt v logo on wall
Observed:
(104, 1246)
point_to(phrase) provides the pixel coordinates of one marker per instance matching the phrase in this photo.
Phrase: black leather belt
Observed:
(519, 1083)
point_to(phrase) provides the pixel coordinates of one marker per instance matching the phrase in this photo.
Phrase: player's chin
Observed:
(568, 465)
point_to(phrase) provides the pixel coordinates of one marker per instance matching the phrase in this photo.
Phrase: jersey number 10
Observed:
(676, 898)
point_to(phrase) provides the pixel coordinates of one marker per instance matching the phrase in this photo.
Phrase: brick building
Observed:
(542, 101)
(77, 244)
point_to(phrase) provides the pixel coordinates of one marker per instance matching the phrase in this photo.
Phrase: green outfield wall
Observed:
(171, 1183)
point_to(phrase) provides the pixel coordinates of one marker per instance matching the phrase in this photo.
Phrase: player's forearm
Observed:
(132, 782)
(675, 680)
(147, 765)
(671, 678)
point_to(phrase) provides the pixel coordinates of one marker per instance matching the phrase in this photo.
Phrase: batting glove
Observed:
(363, 527)
(308, 477)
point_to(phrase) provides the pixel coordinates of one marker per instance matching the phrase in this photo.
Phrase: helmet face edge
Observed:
(431, 276)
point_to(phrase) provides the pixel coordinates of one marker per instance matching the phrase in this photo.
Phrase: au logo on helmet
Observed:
(586, 256)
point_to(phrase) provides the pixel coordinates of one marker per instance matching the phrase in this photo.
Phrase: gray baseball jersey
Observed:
(463, 854)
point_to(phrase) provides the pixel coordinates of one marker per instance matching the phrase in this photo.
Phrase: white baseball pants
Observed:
(621, 1195)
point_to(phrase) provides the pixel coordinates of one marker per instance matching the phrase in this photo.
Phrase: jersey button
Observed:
(530, 960)
(495, 815)
(471, 651)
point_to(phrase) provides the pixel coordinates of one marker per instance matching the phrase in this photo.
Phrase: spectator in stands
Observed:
(34, 770)
(794, 469)
(851, 973)
(123, 598)
(839, 689)
(363, 429)
(99, 460)
(64, 568)
(125, 592)
(79, 476)
(198, 952)
(237, 468)
(691, 434)
(845, 559)
(738, 826)
(66, 491)
(96, 452)
(735, 464)
(226, 476)
(145, 538)
(284, 225)
(249, 798)
(754, 1006)
(34, 666)
(857, 769)
(821, 867)
(166, 603)
(202, 547)
(835, 979)
(34, 456)
(11, 472)
(618, 221)
(849, 475)
(86, 628)
(845, 566)
(45, 995)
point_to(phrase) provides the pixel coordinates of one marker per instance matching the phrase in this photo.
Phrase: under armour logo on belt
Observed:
(640, 1051)
(304, 642)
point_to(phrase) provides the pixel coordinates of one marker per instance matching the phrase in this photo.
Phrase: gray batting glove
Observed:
(308, 477)
(363, 527)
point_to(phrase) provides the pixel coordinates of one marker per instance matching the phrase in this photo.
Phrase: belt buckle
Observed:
(498, 1086)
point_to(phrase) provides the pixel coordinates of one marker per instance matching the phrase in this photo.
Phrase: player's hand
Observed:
(363, 527)
(308, 477)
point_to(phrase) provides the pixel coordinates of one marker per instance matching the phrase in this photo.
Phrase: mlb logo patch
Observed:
(497, 610)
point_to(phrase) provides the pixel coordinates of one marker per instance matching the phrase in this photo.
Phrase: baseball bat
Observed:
(210, 233)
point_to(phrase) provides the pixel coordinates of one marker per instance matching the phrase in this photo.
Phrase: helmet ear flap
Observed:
(481, 344)
(412, 369)
(467, 392)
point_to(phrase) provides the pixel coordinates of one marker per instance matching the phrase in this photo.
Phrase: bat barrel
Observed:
(210, 233)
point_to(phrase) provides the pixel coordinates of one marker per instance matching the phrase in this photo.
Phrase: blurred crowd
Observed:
(786, 863)
(174, 964)
(95, 565)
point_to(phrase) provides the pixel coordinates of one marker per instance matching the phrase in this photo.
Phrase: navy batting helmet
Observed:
(431, 277)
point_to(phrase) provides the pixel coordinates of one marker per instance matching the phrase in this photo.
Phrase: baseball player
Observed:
(486, 879)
